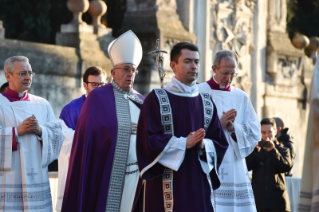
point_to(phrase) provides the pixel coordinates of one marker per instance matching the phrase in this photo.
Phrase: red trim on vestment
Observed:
(14, 142)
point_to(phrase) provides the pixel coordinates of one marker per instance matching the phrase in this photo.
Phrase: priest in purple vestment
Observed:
(103, 172)
(180, 141)
(93, 77)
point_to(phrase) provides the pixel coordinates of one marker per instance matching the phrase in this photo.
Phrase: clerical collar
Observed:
(177, 86)
(15, 96)
(127, 94)
(215, 86)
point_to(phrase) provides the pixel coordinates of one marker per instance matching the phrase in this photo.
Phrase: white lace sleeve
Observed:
(174, 156)
(52, 138)
(6, 137)
(248, 132)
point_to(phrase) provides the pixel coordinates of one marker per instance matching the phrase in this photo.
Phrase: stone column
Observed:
(185, 10)
(150, 20)
(77, 31)
(2, 30)
(203, 29)
(259, 57)
(97, 9)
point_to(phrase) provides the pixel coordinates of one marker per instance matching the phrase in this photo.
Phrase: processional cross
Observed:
(159, 61)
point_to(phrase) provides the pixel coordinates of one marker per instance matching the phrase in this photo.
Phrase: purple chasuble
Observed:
(191, 189)
(92, 153)
(71, 112)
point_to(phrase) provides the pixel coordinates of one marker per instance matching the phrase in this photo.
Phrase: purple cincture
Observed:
(92, 153)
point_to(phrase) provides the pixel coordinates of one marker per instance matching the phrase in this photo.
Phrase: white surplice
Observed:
(132, 172)
(24, 180)
(63, 161)
(235, 193)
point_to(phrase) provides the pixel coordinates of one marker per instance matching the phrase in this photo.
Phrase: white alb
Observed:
(24, 179)
(235, 193)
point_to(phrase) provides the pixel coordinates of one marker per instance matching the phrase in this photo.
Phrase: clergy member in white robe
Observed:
(242, 130)
(30, 139)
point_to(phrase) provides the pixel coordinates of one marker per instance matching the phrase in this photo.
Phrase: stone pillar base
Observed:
(101, 31)
(71, 28)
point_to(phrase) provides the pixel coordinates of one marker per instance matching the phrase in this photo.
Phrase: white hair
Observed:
(224, 54)
(8, 64)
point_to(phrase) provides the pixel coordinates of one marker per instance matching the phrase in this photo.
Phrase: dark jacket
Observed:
(268, 180)
(287, 140)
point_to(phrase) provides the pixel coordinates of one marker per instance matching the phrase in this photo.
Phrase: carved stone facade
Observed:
(277, 14)
(232, 29)
(272, 72)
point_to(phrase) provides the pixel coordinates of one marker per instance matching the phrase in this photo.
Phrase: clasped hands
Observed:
(227, 119)
(30, 124)
(195, 138)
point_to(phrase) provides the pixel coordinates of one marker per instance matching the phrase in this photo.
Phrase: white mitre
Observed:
(126, 49)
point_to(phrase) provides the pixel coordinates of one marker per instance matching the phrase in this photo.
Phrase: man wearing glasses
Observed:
(103, 173)
(93, 77)
(242, 130)
(30, 139)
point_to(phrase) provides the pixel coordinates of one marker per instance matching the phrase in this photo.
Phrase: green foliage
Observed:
(26, 20)
(58, 14)
(303, 17)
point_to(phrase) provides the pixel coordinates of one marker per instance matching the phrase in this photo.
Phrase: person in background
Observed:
(284, 137)
(93, 77)
(269, 165)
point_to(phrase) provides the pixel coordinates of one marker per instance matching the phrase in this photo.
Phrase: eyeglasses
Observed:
(234, 74)
(128, 69)
(24, 73)
(96, 84)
